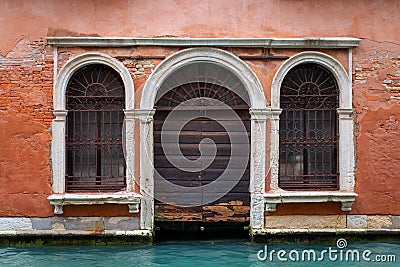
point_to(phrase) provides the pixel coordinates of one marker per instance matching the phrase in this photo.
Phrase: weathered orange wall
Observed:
(26, 97)
(26, 76)
(376, 91)
(377, 20)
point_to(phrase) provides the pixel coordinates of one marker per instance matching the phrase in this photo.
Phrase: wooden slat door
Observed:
(231, 207)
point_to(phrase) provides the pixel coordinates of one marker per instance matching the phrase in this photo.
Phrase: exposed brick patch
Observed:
(378, 76)
(392, 81)
(138, 67)
(26, 80)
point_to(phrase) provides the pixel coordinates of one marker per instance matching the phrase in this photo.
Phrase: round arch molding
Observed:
(58, 148)
(210, 55)
(331, 64)
(258, 112)
(86, 59)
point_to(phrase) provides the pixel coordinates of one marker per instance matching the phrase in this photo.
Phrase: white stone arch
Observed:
(258, 111)
(331, 64)
(345, 194)
(209, 55)
(87, 59)
(58, 149)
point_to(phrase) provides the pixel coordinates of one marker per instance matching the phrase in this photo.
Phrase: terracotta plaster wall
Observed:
(26, 76)
(376, 87)
(369, 19)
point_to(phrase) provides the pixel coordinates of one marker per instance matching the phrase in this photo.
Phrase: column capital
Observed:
(345, 113)
(265, 113)
(129, 113)
(259, 114)
(60, 115)
(274, 113)
(144, 115)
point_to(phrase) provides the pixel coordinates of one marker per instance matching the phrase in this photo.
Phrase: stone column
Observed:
(274, 142)
(346, 149)
(257, 167)
(146, 168)
(129, 148)
(58, 151)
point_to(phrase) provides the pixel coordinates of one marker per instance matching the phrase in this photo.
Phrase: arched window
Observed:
(308, 129)
(95, 103)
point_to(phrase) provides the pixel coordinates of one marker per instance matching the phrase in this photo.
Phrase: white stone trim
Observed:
(145, 116)
(60, 200)
(58, 151)
(257, 166)
(334, 66)
(350, 62)
(346, 149)
(86, 59)
(258, 112)
(272, 199)
(346, 133)
(59, 122)
(274, 148)
(330, 42)
(129, 151)
(55, 66)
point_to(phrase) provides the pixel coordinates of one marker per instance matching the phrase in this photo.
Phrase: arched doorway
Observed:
(201, 147)
(170, 74)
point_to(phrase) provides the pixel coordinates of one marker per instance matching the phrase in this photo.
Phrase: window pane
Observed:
(308, 129)
(95, 102)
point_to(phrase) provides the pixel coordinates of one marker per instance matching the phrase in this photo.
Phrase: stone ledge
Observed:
(322, 236)
(330, 42)
(76, 232)
(273, 198)
(325, 231)
(75, 237)
(59, 223)
(60, 200)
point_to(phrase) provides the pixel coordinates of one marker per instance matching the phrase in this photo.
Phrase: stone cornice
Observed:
(329, 42)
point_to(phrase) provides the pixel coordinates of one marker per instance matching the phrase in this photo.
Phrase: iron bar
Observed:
(308, 129)
(95, 103)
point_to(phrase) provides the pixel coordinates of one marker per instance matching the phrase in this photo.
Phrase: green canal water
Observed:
(205, 253)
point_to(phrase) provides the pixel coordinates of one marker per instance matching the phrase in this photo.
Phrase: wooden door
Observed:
(232, 206)
(213, 199)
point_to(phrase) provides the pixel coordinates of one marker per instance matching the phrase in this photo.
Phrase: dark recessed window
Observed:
(95, 103)
(308, 129)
